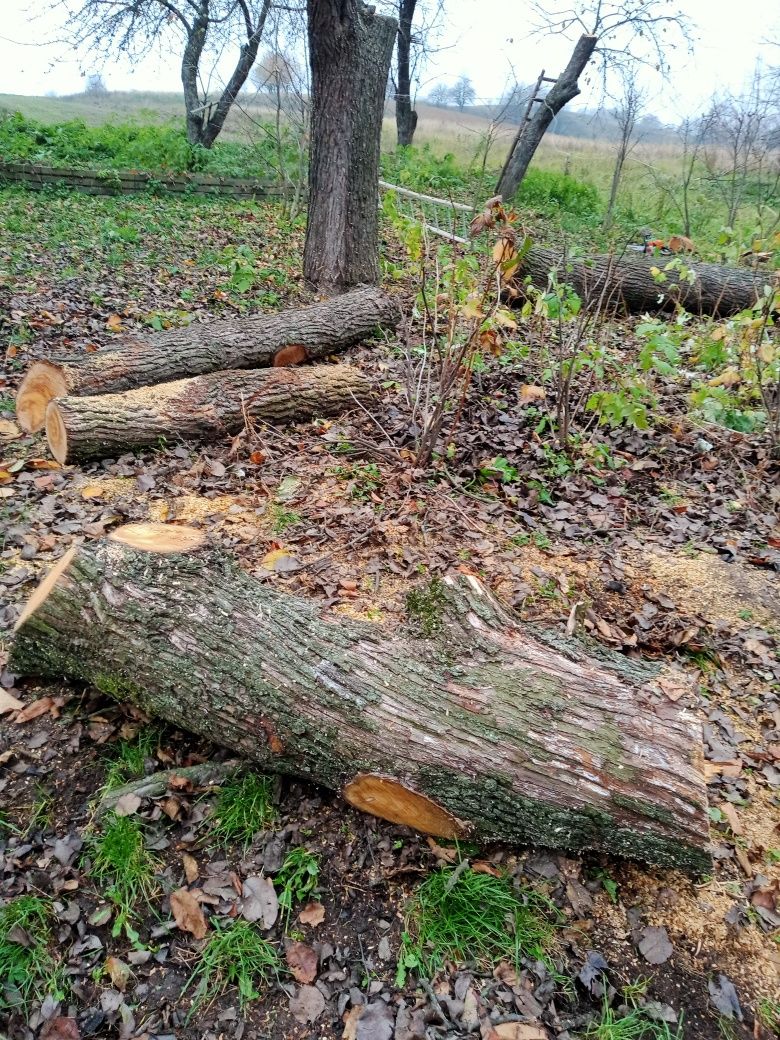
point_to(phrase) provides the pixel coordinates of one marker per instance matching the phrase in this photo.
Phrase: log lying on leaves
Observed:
(203, 408)
(482, 730)
(627, 282)
(284, 338)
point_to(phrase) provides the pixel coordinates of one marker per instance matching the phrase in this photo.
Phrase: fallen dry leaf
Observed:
(655, 946)
(35, 710)
(732, 817)
(307, 1005)
(119, 972)
(302, 961)
(313, 914)
(518, 1031)
(528, 393)
(61, 1028)
(259, 901)
(187, 913)
(114, 323)
(8, 702)
(128, 804)
(191, 868)
(350, 1019)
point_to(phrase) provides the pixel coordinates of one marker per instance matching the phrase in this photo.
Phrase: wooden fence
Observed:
(118, 182)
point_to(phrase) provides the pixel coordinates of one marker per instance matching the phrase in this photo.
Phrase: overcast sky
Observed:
(484, 39)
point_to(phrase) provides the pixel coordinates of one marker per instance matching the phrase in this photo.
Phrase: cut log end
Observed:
(390, 800)
(41, 385)
(159, 538)
(41, 594)
(56, 434)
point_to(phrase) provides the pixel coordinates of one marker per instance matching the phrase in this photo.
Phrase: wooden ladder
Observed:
(526, 117)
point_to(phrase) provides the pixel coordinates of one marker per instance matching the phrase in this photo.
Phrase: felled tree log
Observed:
(202, 409)
(484, 729)
(280, 339)
(627, 282)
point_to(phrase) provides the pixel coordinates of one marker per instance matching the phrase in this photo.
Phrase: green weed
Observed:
(297, 879)
(768, 1014)
(121, 861)
(28, 971)
(365, 479)
(243, 807)
(234, 955)
(461, 915)
(282, 518)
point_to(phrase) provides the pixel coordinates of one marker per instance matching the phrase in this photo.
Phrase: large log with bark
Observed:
(483, 729)
(628, 282)
(285, 338)
(201, 409)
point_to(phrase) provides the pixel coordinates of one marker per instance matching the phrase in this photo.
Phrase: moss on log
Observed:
(487, 729)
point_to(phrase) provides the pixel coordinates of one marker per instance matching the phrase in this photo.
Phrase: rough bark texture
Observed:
(287, 337)
(405, 115)
(203, 408)
(531, 133)
(501, 733)
(716, 290)
(350, 48)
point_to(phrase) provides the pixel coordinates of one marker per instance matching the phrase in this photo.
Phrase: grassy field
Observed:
(449, 159)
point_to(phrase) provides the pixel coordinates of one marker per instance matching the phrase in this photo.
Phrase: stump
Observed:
(201, 409)
(284, 338)
(484, 730)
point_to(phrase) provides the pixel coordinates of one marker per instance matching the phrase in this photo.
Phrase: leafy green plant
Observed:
(459, 914)
(498, 468)
(28, 970)
(243, 807)
(365, 479)
(234, 955)
(297, 878)
(282, 518)
(121, 861)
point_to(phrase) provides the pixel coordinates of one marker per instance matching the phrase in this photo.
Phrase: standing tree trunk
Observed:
(531, 133)
(350, 48)
(484, 730)
(405, 115)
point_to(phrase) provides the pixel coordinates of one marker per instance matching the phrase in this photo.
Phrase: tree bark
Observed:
(531, 133)
(350, 49)
(483, 730)
(405, 115)
(204, 408)
(628, 283)
(284, 338)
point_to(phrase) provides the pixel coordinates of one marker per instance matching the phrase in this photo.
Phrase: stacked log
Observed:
(281, 339)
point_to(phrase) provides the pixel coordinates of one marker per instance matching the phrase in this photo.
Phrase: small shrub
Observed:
(551, 193)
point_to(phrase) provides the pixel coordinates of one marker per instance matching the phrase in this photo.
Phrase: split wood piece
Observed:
(628, 282)
(285, 338)
(486, 730)
(155, 785)
(200, 409)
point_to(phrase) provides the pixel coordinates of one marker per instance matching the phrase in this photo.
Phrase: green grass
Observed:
(243, 807)
(768, 1014)
(282, 518)
(128, 758)
(28, 971)
(459, 915)
(121, 862)
(633, 1025)
(234, 955)
(297, 879)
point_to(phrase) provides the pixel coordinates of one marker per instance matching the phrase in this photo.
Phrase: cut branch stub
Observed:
(392, 800)
(488, 728)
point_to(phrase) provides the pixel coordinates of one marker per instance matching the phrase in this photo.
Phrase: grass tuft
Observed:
(458, 914)
(243, 807)
(633, 1024)
(297, 879)
(234, 955)
(128, 759)
(28, 971)
(121, 860)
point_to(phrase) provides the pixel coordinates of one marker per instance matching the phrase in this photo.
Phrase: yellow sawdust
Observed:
(708, 586)
(198, 507)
